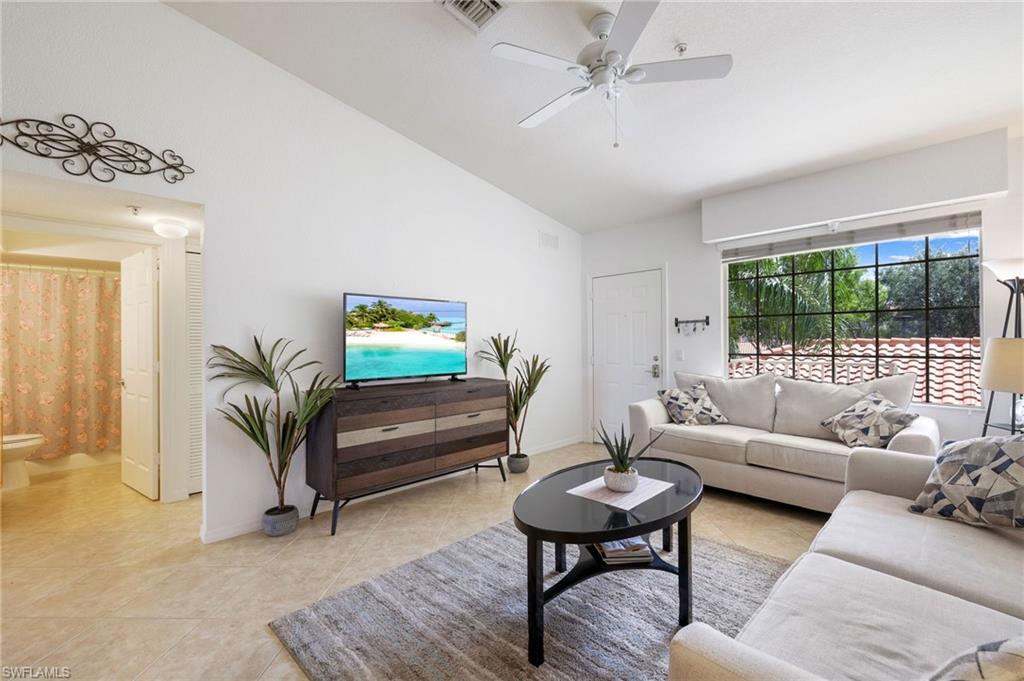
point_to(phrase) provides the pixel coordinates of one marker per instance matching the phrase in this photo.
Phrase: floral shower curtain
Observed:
(61, 352)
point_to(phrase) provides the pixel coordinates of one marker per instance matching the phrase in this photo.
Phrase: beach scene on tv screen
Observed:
(387, 337)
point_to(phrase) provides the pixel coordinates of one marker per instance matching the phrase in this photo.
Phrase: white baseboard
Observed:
(210, 535)
(548, 446)
(69, 463)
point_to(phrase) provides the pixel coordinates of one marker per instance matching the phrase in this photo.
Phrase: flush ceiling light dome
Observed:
(170, 229)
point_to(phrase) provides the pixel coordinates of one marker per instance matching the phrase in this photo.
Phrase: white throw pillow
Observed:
(691, 407)
(871, 421)
(746, 402)
(801, 406)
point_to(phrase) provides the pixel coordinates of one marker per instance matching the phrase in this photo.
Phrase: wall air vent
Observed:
(473, 14)
(548, 241)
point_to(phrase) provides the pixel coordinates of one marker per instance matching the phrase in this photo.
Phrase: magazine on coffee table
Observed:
(596, 491)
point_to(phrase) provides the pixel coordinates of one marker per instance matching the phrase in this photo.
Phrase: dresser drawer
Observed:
(373, 405)
(470, 406)
(471, 391)
(464, 457)
(384, 418)
(473, 418)
(382, 471)
(354, 438)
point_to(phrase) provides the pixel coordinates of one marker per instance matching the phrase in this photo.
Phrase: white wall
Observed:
(695, 282)
(304, 198)
(957, 170)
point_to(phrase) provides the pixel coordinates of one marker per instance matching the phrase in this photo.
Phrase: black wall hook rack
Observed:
(684, 322)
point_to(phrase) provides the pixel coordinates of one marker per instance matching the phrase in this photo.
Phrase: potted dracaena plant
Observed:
(527, 375)
(620, 476)
(277, 421)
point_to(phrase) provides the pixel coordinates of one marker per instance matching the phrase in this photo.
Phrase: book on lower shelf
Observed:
(631, 550)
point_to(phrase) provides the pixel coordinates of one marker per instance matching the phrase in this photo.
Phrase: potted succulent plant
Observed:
(277, 430)
(501, 351)
(620, 476)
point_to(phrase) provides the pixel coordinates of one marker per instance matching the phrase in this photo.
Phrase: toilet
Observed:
(16, 448)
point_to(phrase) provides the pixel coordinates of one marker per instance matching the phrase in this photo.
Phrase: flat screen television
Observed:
(394, 337)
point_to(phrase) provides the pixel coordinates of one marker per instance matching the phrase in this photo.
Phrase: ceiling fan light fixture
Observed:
(170, 229)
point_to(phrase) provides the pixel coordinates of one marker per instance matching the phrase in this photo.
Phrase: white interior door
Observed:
(628, 334)
(140, 455)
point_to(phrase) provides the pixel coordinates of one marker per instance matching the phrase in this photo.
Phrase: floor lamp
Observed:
(1002, 372)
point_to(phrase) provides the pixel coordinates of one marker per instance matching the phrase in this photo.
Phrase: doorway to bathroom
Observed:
(102, 338)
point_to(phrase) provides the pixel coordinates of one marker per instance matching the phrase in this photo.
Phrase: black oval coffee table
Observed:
(546, 512)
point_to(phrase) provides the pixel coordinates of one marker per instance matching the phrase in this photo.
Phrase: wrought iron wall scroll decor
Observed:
(91, 148)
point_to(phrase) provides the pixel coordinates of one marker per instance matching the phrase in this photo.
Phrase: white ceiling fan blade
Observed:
(630, 22)
(550, 109)
(698, 68)
(534, 58)
(628, 118)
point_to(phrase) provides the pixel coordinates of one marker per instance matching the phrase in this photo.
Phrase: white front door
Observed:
(628, 334)
(140, 455)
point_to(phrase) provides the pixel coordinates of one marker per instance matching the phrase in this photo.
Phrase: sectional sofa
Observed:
(774, 446)
(882, 593)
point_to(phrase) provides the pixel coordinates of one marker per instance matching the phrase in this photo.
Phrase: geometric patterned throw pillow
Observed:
(979, 482)
(692, 406)
(869, 422)
(996, 661)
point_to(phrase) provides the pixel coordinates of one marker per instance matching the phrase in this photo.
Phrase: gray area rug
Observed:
(460, 613)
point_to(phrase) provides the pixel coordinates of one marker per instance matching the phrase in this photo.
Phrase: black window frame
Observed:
(927, 260)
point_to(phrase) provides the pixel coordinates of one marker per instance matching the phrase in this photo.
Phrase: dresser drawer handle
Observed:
(388, 429)
(472, 416)
(473, 390)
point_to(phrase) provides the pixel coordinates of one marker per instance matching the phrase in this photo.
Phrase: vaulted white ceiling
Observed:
(813, 85)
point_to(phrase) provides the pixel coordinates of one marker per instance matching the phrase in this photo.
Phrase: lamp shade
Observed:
(1006, 268)
(1002, 367)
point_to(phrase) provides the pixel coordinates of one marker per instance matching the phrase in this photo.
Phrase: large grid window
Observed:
(851, 314)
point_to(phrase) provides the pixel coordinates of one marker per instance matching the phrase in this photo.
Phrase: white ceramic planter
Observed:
(621, 482)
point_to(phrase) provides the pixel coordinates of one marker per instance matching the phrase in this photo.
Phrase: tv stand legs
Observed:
(501, 469)
(338, 505)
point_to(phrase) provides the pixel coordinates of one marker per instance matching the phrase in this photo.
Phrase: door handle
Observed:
(388, 429)
(655, 370)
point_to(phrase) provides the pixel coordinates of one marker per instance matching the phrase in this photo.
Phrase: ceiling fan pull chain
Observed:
(616, 104)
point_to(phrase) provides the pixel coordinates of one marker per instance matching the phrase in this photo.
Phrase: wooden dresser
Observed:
(384, 436)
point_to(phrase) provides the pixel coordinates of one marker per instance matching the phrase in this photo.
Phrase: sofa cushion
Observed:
(691, 406)
(802, 455)
(978, 481)
(844, 621)
(724, 442)
(871, 421)
(746, 402)
(981, 565)
(801, 406)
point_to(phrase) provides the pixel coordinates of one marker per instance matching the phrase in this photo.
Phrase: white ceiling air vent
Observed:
(473, 14)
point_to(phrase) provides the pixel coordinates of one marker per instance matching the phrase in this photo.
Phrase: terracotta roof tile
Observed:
(954, 365)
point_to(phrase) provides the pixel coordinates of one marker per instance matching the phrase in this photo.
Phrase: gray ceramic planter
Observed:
(277, 523)
(518, 463)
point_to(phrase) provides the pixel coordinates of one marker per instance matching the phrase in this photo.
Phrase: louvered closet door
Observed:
(194, 330)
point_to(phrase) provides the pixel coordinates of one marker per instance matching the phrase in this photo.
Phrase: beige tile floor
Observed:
(113, 586)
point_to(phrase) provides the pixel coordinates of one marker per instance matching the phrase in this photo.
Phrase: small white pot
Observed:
(621, 482)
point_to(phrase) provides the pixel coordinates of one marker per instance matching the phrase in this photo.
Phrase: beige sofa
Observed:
(882, 593)
(774, 446)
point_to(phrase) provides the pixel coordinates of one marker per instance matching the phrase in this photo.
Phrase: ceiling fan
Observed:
(604, 64)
